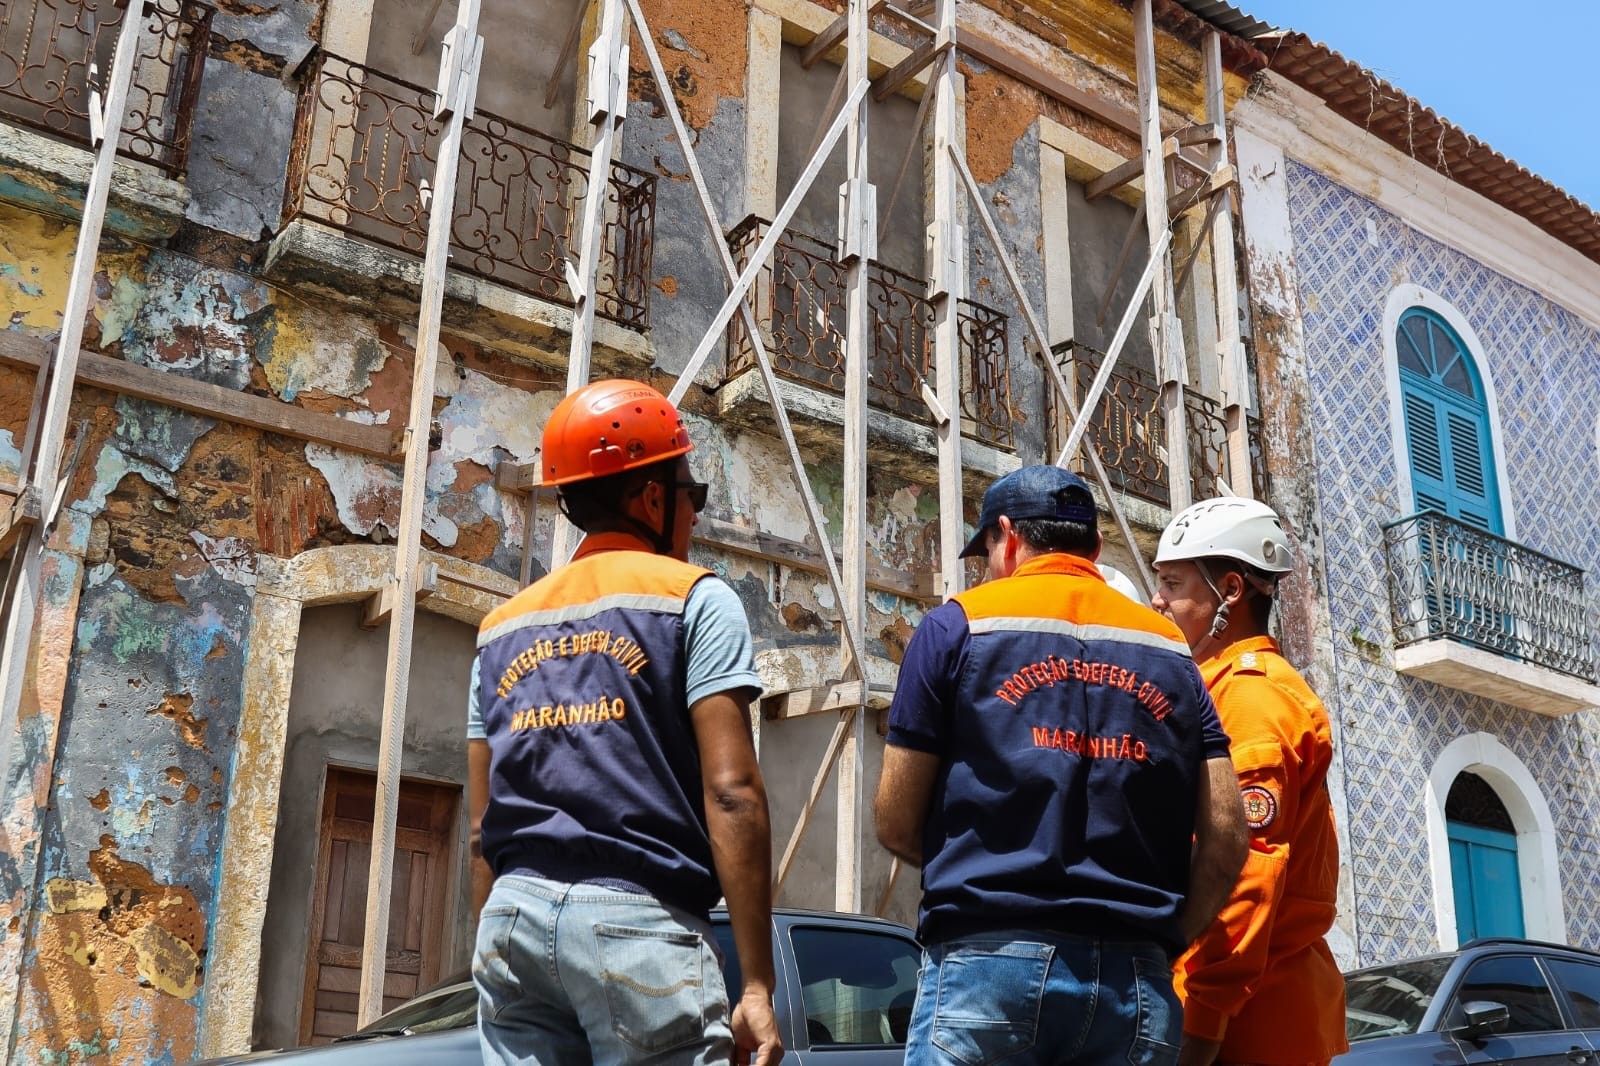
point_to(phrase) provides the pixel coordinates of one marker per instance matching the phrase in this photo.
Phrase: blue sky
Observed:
(1521, 76)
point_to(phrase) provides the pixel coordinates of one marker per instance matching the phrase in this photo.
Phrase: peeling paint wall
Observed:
(118, 805)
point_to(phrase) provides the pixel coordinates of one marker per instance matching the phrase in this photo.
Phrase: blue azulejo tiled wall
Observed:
(1545, 365)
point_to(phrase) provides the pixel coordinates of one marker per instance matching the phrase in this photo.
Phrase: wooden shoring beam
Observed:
(458, 80)
(821, 699)
(605, 109)
(204, 398)
(906, 18)
(380, 605)
(1123, 173)
(1165, 335)
(1134, 226)
(1205, 237)
(1041, 341)
(419, 40)
(913, 147)
(830, 756)
(832, 36)
(568, 54)
(889, 82)
(1155, 264)
(1220, 180)
(895, 869)
(739, 284)
(17, 517)
(1207, 133)
(1233, 372)
(857, 244)
(947, 285)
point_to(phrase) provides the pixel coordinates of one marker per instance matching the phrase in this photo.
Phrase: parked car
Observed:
(846, 983)
(1493, 1000)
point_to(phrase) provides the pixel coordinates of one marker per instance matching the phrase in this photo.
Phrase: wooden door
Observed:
(420, 901)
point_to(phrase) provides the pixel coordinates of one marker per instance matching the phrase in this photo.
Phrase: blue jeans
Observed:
(1025, 997)
(575, 974)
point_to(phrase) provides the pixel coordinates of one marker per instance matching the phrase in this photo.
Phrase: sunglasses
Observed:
(698, 491)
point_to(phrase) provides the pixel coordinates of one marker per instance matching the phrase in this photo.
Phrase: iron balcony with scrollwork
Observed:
(799, 301)
(1451, 583)
(1128, 429)
(50, 48)
(365, 145)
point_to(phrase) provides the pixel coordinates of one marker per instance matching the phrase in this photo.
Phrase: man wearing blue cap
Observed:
(1057, 769)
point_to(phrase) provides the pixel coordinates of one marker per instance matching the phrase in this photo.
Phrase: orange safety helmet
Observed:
(607, 427)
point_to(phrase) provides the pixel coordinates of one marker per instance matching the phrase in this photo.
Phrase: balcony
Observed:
(799, 302)
(47, 48)
(1129, 430)
(365, 146)
(1486, 615)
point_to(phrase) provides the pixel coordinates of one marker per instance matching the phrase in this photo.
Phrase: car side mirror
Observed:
(1480, 1018)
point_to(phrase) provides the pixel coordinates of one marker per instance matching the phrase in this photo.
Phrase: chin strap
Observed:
(1219, 622)
(659, 539)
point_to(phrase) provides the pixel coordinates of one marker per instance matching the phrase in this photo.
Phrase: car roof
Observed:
(1482, 946)
(790, 915)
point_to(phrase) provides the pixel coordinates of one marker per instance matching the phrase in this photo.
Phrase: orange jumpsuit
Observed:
(1261, 979)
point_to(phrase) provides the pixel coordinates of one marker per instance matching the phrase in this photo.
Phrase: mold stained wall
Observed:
(1349, 254)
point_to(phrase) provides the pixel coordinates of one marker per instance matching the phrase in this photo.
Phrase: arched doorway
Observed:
(1483, 860)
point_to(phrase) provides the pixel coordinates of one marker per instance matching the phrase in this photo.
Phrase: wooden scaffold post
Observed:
(458, 81)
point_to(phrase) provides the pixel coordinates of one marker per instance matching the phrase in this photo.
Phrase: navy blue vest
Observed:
(1076, 747)
(594, 766)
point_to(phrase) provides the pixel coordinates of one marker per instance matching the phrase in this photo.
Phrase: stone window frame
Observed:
(1538, 858)
(1401, 299)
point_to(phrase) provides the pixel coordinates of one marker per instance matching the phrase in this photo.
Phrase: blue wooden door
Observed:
(1488, 890)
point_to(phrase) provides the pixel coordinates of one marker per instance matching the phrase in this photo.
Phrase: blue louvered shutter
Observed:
(1429, 483)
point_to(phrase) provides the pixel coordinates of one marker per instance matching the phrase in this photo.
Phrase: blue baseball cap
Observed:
(1033, 492)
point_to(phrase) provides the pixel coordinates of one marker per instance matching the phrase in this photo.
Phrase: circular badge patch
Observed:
(1260, 806)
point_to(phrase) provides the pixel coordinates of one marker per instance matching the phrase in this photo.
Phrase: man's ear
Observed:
(1099, 543)
(653, 498)
(1233, 587)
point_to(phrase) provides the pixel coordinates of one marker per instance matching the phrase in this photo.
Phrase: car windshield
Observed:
(1391, 1000)
(450, 1006)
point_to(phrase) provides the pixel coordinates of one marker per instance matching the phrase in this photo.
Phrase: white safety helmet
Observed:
(1231, 527)
(1121, 582)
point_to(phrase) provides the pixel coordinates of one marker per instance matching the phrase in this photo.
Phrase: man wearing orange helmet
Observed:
(1260, 986)
(614, 785)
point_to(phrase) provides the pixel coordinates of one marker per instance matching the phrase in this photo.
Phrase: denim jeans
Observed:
(574, 974)
(1025, 997)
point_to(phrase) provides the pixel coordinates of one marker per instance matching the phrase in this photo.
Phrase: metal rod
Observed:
(459, 75)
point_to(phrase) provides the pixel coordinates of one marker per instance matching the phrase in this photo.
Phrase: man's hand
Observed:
(1197, 1052)
(755, 1031)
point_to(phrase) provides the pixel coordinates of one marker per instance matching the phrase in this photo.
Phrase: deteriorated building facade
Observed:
(188, 804)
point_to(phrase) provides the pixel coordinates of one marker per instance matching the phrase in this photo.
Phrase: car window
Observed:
(1582, 983)
(1391, 1000)
(858, 986)
(1514, 980)
(732, 976)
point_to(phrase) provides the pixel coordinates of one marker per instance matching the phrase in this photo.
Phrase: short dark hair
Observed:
(1057, 535)
(596, 504)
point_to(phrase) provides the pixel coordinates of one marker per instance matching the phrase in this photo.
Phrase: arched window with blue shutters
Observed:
(1447, 423)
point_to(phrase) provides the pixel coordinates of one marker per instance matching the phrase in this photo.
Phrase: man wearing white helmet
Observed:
(1260, 985)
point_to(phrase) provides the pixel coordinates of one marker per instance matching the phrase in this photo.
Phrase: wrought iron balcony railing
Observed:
(48, 47)
(799, 301)
(1452, 581)
(1129, 430)
(365, 145)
